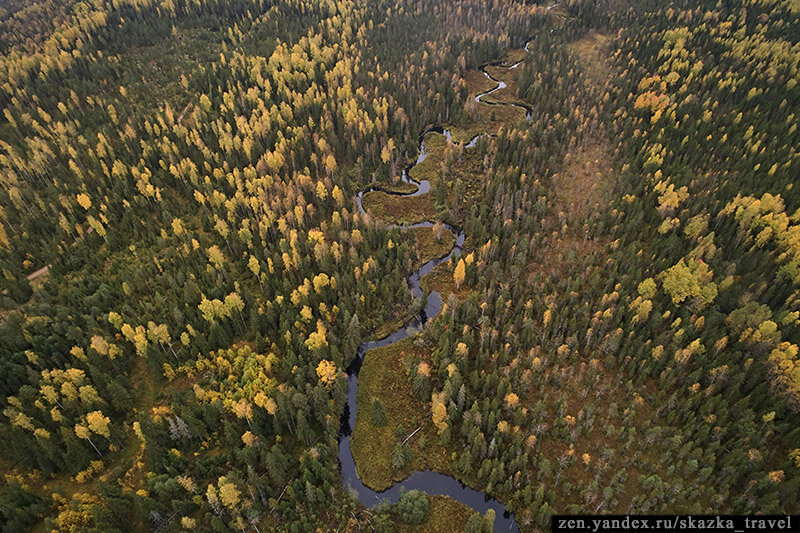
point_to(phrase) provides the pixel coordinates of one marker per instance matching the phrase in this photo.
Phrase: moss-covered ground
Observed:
(399, 187)
(399, 209)
(428, 247)
(383, 375)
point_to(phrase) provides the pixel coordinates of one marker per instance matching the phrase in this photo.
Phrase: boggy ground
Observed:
(601, 467)
(383, 376)
(456, 175)
(385, 372)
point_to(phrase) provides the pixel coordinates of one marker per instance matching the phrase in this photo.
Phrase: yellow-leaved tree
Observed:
(459, 273)
(84, 201)
(228, 493)
(327, 371)
(439, 411)
(95, 422)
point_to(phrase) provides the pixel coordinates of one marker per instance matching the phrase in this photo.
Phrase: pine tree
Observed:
(379, 418)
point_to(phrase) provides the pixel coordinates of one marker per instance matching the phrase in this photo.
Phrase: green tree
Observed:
(413, 507)
(379, 417)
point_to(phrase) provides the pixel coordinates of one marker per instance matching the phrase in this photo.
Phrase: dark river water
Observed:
(429, 482)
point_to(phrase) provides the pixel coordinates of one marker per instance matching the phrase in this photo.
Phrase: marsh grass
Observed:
(383, 375)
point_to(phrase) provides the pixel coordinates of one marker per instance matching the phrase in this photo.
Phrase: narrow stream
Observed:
(427, 481)
(502, 85)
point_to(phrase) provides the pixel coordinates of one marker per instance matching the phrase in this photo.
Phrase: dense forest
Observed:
(188, 273)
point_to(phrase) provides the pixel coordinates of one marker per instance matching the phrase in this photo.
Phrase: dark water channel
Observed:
(429, 482)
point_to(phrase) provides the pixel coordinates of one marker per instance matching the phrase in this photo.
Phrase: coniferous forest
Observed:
(261, 258)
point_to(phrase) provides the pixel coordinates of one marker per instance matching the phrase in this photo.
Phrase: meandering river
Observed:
(429, 482)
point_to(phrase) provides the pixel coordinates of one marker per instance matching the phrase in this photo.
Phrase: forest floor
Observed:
(586, 178)
(589, 50)
(604, 451)
(399, 187)
(399, 209)
(430, 167)
(428, 247)
(124, 466)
